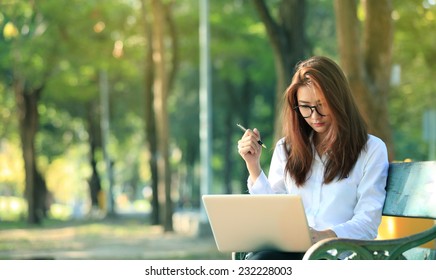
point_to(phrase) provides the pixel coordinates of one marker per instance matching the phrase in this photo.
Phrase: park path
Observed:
(103, 240)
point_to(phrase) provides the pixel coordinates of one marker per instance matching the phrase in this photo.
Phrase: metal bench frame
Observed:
(410, 192)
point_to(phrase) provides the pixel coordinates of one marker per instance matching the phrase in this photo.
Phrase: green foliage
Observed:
(415, 54)
(11, 169)
(69, 43)
(12, 208)
(321, 30)
(8, 121)
(66, 44)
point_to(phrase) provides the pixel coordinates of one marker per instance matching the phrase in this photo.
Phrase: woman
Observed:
(326, 156)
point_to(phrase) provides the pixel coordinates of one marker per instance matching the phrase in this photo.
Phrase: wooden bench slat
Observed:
(420, 254)
(411, 190)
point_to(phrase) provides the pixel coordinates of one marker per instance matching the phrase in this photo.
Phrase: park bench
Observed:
(410, 192)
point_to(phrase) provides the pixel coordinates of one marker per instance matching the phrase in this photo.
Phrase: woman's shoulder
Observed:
(374, 144)
(280, 148)
(374, 141)
(281, 142)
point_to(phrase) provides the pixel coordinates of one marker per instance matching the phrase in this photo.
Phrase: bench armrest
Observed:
(392, 249)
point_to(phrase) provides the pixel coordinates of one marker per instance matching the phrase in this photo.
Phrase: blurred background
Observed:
(112, 107)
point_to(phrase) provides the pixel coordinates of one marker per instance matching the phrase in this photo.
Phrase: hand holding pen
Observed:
(244, 129)
(250, 149)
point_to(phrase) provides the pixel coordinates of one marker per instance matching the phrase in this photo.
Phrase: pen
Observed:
(244, 129)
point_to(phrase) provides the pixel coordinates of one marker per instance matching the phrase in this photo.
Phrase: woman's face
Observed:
(314, 109)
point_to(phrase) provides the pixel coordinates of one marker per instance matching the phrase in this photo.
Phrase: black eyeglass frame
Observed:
(297, 109)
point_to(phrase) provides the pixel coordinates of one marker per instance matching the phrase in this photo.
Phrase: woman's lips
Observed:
(318, 124)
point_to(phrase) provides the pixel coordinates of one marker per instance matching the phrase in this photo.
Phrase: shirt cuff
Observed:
(260, 185)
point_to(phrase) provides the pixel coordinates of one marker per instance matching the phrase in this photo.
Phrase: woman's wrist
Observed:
(254, 172)
(320, 235)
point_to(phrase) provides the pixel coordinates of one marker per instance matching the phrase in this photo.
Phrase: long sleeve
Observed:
(274, 184)
(371, 193)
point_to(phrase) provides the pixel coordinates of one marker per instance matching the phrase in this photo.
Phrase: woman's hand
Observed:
(250, 151)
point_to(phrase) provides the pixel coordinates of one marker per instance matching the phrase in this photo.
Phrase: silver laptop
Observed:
(247, 223)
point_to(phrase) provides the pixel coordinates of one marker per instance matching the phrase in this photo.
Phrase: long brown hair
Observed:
(347, 134)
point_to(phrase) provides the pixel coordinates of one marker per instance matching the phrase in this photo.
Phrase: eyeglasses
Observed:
(306, 111)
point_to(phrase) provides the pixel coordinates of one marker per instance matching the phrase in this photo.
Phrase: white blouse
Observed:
(351, 207)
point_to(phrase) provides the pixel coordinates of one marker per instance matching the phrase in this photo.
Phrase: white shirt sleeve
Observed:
(274, 184)
(371, 193)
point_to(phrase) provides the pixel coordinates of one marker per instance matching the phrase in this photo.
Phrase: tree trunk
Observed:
(289, 43)
(150, 120)
(94, 143)
(27, 104)
(42, 200)
(367, 61)
(160, 88)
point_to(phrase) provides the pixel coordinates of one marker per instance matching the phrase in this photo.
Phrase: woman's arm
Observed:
(317, 235)
(275, 183)
(371, 194)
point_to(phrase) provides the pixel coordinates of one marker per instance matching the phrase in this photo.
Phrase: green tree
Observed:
(164, 65)
(366, 57)
(413, 93)
(30, 61)
(243, 89)
(60, 54)
(288, 38)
